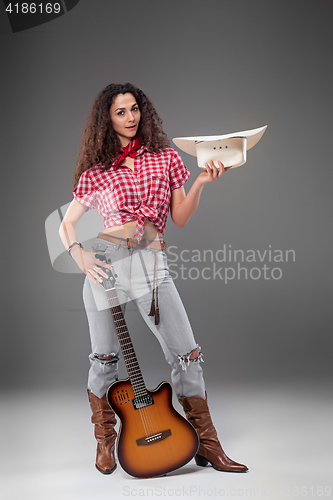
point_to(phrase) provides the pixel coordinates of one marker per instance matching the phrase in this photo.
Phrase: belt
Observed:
(154, 245)
(129, 242)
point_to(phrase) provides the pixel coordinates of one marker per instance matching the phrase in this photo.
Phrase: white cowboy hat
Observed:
(230, 149)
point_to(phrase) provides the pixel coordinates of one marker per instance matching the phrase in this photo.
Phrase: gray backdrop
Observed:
(210, 67)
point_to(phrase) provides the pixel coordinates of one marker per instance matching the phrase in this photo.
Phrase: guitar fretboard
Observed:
(131, 362)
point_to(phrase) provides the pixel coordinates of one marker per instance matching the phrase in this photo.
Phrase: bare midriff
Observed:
(128, 230)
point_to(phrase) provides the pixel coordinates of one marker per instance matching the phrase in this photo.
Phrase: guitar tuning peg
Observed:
(116, 275)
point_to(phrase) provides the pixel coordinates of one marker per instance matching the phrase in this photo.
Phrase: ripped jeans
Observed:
(134, 268)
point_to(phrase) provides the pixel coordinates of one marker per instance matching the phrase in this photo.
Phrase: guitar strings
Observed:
(135, 374)
(131, 362)
(137, 384)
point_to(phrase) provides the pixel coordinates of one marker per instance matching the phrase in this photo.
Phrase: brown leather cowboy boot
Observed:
(210, 449)
(104, 419)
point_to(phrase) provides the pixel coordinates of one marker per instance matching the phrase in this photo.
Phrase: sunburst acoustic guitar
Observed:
(154, 438)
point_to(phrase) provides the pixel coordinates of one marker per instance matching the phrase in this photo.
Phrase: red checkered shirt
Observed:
(121, 194)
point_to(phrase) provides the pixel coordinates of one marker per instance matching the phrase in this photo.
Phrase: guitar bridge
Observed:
(155, 438)
(142, 401)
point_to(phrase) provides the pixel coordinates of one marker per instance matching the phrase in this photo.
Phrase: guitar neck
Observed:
(131, 362)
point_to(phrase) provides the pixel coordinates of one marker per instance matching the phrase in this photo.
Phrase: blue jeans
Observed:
(135, 277)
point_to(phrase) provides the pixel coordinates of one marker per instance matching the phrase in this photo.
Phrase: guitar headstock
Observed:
(107, 283)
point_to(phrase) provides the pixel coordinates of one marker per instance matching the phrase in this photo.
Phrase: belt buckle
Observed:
(131, 244)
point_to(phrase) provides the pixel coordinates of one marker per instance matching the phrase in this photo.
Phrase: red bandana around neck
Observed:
(130, 150)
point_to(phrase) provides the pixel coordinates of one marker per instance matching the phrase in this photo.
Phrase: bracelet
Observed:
(69, 249)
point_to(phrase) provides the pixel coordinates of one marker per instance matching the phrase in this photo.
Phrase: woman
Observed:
(128, 172)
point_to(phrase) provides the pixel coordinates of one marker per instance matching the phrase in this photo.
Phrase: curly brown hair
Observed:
(100, 142)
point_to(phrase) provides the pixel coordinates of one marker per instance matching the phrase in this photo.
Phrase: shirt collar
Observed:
(141, 151)
(144, 148)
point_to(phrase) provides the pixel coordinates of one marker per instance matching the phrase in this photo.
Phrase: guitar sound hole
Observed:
(121, 397)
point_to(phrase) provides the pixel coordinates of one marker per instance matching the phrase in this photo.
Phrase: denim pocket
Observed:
(99, 246)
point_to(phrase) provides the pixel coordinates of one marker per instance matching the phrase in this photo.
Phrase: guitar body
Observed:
(155, 439)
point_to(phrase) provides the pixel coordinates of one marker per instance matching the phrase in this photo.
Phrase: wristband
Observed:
(69, 249)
